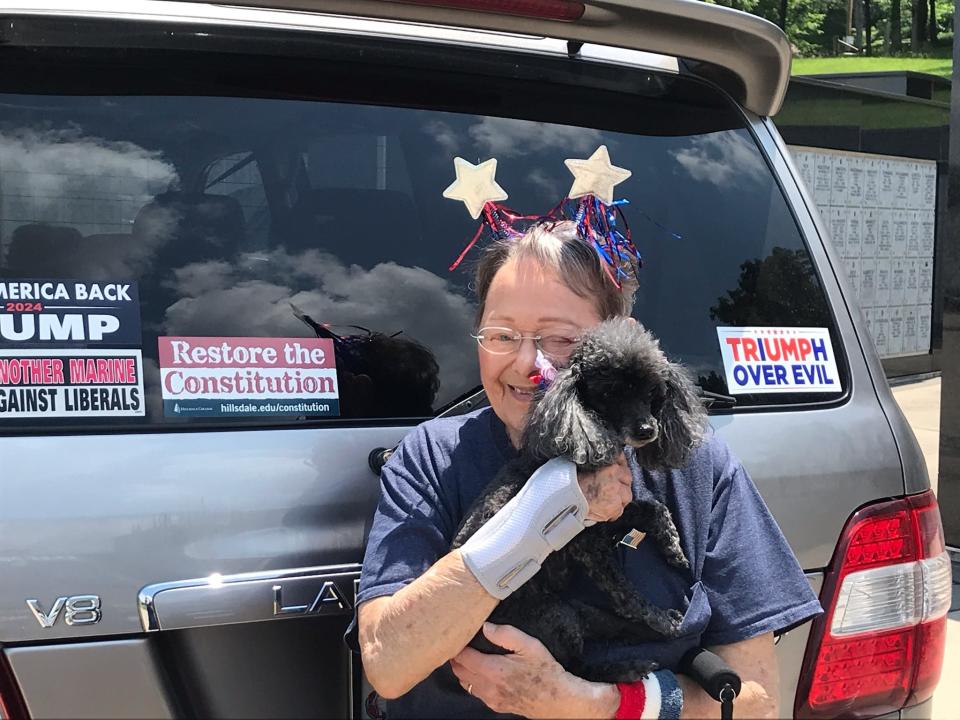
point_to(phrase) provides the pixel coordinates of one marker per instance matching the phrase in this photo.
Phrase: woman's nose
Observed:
(525, 359)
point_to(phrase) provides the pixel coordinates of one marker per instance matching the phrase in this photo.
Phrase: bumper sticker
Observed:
(778, 359)
(66, 383)
(58, 312)
(235, 376)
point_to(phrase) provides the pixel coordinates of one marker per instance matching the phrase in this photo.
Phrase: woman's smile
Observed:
(522, 394)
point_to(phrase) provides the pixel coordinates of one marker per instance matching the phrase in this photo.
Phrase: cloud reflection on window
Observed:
(717, 158)
(253, 297)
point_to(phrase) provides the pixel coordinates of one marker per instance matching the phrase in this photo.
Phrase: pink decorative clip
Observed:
(545, 373)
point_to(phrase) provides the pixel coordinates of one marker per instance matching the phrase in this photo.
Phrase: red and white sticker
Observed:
(65, 383)
(246, 376)
(778, 360)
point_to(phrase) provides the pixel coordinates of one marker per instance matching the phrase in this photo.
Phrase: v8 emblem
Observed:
(80, 610)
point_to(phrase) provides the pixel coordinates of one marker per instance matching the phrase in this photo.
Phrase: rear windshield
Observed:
(226, 251)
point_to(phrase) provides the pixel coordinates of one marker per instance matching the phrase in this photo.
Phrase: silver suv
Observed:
(224, 287)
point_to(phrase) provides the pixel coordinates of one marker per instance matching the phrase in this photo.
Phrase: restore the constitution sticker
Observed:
(65, 383)
(778, 359)
(248, 376)
(57, 312)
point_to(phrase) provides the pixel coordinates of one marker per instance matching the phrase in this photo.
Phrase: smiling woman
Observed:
(421, 603)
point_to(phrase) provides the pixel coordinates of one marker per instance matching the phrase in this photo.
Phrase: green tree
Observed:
(765, 293)
(896, 31)
(880, 25)
(804, 19)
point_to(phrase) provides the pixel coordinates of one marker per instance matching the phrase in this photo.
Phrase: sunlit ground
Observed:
(817, 66)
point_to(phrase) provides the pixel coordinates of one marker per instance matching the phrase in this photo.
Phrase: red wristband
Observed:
(633, 698)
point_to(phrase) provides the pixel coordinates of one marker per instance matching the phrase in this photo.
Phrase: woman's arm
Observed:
(531, 683)
(755, 661)
(406, 636)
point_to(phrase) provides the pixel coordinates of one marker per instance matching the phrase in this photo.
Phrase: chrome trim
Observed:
(230, 596)
(281, 19)
(46, 619)
(753, 49)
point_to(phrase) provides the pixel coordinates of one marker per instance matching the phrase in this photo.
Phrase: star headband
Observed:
(600, 221)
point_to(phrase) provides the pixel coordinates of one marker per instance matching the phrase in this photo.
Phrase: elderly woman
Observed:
(419, 604)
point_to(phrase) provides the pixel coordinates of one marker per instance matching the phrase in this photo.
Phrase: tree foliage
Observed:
(813, 25)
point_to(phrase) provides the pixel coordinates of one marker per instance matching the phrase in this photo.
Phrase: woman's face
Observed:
(525, 296)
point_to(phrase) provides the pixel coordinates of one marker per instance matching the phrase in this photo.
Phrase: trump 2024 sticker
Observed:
(59, 313)
(778, 359)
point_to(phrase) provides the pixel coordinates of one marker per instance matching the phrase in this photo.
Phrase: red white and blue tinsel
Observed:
(590, 204)
(603, 226)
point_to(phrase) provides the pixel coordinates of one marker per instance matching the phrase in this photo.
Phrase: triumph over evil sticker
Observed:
(778, 359)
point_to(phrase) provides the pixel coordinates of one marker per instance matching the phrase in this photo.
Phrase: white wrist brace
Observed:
(548, 512)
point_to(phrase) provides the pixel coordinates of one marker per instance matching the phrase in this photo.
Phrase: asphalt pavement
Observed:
(920, 402)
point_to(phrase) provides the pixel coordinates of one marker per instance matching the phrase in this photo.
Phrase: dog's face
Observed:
(626, 396)
(618, 389)
(622, 379)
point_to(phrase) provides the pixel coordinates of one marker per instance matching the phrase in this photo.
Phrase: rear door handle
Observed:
(378, 458)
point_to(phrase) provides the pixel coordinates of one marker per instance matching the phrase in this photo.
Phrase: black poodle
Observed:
(618, 390)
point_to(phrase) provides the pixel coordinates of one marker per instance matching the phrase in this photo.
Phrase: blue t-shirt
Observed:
(743, 579)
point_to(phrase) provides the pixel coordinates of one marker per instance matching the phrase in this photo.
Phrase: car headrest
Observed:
(364, 213)
(41, 250)
(199, 226)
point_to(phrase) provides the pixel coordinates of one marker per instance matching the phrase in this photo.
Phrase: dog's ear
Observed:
(682, 418)
(560, 426)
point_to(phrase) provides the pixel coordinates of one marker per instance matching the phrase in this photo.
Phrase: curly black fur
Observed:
(618, 389)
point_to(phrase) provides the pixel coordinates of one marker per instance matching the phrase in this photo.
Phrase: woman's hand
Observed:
(608, 490)
(528, 681)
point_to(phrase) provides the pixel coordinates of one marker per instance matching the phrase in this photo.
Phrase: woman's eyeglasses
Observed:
(504, 341)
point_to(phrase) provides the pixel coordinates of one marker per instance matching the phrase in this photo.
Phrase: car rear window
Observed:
(226, 251)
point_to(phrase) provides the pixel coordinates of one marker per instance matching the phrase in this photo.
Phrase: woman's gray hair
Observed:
(558, 246)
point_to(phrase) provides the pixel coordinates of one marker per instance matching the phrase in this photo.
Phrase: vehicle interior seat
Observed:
(179, 229)
(41, 250)
(345, 221)
(182, 227)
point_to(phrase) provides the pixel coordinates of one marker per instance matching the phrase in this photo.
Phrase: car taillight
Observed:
(11, 703)
(563, 10)
(879, 645)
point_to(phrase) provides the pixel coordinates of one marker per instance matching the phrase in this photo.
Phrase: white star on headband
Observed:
(475, 185)
(595, 176)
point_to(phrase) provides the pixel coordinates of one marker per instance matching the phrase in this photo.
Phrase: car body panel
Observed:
(111, 679)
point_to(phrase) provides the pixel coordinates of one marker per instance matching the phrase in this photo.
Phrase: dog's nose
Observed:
(645, 431)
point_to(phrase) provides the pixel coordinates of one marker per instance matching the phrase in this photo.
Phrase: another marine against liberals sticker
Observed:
(66, 383)
(231, 376)
(778, 359)
(54, 312)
